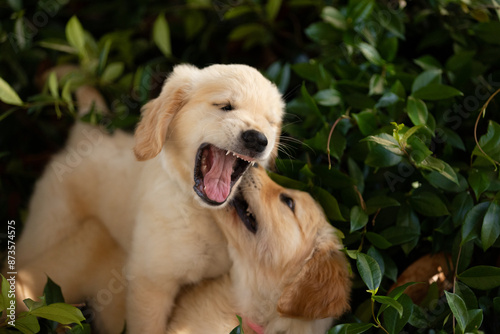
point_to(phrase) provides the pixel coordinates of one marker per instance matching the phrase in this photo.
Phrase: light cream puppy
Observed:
(288, 274)
(194, 142)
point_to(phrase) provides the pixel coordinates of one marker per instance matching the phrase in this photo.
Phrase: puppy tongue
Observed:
(217, 180)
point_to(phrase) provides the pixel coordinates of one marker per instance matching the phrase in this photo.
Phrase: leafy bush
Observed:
(392, 124)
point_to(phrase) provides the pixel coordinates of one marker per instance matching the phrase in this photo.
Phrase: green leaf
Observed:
(377, 240)
(103, 55)
(358, 11)
(419, 151)
(417, 111)
(491, 226)
(379, 156)
(470, 227)
(376, 85)
(395, 321)
(387, 100)
(391, 302)
(352, 328)
(66, 95)
(478, 181)
(488, 31)
(434, 164)
(272, 9)
(27, 324)
(457, 306)
(373, 204)
(310, 101)
(429, 204)
(369, 271)
(52, 292)
(287, 182)
(358, 218)
(6, 297)
(397, 235)
(328, 97)
(238, 329)
(9, 95)
(366, 121)
(32, 305)
(329, 204)
(84, 329)
(435, 91)
(490, 143)
(112, 72)
(481, 277)
(460, 206)
(76, 35)
(475, 320)
(397, 292)
(334, 17)
(467, 295)
(321, 32)
(428, 62)
(62, 313)
(371, 54)
(53, 85)
(386, 141)
(161, 35)
(426, 78)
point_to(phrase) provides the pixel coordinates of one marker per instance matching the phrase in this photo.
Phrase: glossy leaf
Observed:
(161, 35)
(358, 218)
(371, 54)
(459, 309)
(27, 324)
(59, 312)
(391, 302)
(394, 320)
(435, 91)
(481, 277)
(490, 143)
(491, 226)
(369, 271)
(426, 78)
(472, 222)
(9, 95)
(428, 204)
(76, 35)
(417, 111)
(333, 16)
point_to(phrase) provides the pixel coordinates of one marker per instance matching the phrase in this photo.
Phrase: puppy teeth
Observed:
(253, 163)
(227, 153)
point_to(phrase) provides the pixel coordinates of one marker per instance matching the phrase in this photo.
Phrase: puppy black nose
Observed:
(254, 140)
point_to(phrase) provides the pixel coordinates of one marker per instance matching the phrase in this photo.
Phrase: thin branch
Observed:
(482, 112)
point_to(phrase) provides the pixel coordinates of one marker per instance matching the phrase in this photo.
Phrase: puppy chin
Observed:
(206, 205)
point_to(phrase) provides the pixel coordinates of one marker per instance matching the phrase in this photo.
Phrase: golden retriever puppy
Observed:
(288, 274)
(193, 144)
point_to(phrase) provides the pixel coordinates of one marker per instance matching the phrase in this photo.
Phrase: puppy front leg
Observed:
(149, 304)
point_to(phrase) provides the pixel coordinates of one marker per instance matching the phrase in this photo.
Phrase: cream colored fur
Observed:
(148, 208)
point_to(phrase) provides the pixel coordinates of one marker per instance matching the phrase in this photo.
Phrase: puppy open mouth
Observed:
(216, 171)
(245, 213)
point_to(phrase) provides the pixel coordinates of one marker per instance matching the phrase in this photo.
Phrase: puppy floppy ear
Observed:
(320, 290)
(157, 114)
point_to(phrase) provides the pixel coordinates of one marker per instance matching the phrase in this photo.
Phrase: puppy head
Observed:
(283, 236)
(214, 121)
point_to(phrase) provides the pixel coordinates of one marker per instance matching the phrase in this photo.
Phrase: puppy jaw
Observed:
(322, 287)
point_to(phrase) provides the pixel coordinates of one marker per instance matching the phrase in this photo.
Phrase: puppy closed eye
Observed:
(224, 106)
(288, 201)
